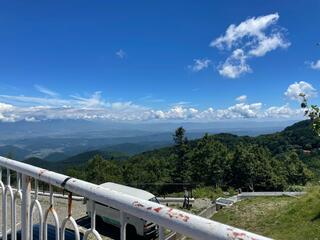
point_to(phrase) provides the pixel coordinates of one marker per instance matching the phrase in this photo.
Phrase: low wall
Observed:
(244, 195)
(208, 212)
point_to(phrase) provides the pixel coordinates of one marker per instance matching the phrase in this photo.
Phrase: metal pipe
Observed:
(51, 210)
(17, 195)
(25, 206)
(4, 214)
(179, 221)
(161, 233)
(123, 226)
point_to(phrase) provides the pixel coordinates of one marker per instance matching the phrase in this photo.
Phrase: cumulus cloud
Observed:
(200, 64)
(16, 108)
(283, 112)
(315, 65)
(245, 110)
(269, 44)
(241, 98)
(5, 107)
(294, 90)
(130, 112)
(6, 112)
(253, 37)
(236, 111)
(235, 65)
(121, 54)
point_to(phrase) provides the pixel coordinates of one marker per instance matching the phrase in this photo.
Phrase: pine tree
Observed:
(181, 157)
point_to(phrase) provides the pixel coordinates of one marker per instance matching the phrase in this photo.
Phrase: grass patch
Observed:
(277, 217)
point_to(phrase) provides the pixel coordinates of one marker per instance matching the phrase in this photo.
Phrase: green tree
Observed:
(98, 170)
(181, 157)
(209, 161)
(251, 167)
(295, 171)
(147, 173)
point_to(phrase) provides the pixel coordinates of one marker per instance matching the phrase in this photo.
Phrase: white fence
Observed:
(187, 224)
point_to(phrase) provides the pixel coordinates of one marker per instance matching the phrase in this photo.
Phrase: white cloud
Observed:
(128, 111)
(46, 91)
(30, 119)
(253, 37)
(5, 107)
(125, 106)
(28, 100)
(180, 103)
(241, 98)
(236, 111)
(200, 64)
(315, 65)
(283, 112)
(95, 100)
(16, 108)
(268, 44)
(121, 54)
(235, 65)
(245, 110)
(294, 90)
(6, 112)
(252, 27)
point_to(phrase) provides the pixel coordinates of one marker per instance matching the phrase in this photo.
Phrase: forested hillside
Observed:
(268, 162)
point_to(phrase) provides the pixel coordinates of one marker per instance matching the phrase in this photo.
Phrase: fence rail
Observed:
(187, 224)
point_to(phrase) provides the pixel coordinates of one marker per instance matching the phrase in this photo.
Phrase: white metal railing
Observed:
(165, 217)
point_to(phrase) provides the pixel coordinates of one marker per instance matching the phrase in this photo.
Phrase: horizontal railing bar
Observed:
(179, 221)
(56, 195)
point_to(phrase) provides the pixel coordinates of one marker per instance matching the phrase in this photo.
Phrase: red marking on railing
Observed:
(157, 209)
(172, 214)
(237, 235)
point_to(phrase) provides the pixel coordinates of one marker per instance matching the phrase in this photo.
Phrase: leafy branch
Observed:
(312, 111)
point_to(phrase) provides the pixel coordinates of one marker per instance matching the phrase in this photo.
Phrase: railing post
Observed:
(25, 207)
(123, 226)
(4, 214)
(161, 233)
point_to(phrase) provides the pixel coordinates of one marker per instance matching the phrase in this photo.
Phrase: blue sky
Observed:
(157, 60)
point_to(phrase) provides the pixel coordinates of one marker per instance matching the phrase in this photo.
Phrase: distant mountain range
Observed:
(76, 160)
(298, 138)
(55, 140)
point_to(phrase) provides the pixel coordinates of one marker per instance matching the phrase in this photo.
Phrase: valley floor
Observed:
(280, 218)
